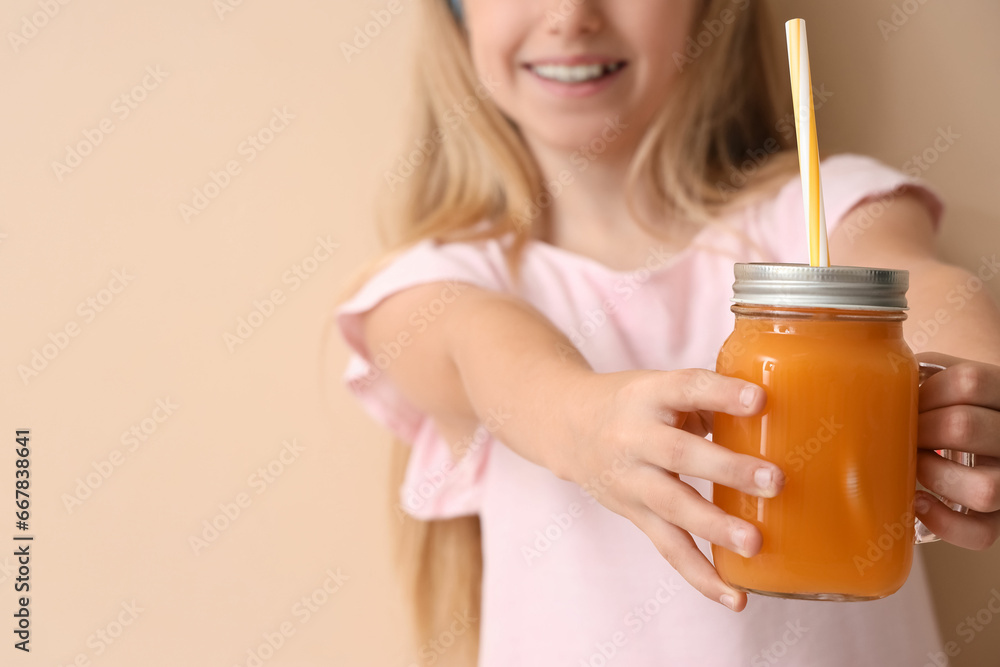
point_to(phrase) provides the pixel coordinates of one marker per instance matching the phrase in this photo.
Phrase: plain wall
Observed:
(114, 516)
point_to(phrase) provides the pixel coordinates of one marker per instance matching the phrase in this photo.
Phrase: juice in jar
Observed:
(840, 422)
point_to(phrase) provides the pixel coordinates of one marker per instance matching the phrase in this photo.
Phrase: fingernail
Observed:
(739, 537)
(764, 478)
(747, 396)
(729, 601)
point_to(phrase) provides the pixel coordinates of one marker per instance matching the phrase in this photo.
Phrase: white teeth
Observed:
(574, 73)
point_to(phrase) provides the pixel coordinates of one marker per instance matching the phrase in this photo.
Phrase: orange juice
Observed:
(840, 421)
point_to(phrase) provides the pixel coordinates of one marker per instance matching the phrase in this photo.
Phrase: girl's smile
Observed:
(576, 76)
(564, 70)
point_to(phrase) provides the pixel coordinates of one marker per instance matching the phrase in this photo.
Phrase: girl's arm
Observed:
(491, 358)
(952, 313)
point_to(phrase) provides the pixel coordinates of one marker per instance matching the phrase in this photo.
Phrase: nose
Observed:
(571, 18)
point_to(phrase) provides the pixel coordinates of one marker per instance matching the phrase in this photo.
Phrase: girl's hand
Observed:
(960, 410)
(634, 432)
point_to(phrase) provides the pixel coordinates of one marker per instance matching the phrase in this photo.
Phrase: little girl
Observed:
(582, 177)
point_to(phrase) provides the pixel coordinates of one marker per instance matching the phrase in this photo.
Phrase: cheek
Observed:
(490, 30)
(663, 32)
(493, 53)
(490, 65)
(660, 72)
(487, 61)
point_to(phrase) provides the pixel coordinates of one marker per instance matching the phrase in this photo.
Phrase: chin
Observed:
(594, 135)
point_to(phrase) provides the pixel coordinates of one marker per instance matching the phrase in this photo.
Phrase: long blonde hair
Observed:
(715, 144)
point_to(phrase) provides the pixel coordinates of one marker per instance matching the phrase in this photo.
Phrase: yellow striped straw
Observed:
(805, 133)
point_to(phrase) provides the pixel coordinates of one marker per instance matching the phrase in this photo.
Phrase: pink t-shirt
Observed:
(566, 581)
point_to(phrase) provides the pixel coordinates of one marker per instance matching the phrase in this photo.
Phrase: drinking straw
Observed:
(805, 133)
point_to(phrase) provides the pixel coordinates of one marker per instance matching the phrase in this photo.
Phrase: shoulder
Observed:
(850, 179)
(863, 194)
(855, 189)
(429, 263)
(478, 261)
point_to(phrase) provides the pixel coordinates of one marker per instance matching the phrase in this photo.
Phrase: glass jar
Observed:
(826, 343)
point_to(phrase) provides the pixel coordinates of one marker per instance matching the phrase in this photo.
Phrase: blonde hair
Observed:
(469, 168)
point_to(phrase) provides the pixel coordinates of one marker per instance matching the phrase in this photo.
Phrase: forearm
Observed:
(951, 311)
(511, 359)
(487, 358)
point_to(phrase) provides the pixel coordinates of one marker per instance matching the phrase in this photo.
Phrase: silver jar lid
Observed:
(847, 287)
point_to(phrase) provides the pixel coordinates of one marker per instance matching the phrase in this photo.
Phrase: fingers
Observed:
(974, 530)
(700, 423)
(977, 488)
(678, 503)
(939, 358)
(966, 428)
(962, 383)
(680, 550)
(686, 454)
(695, 389)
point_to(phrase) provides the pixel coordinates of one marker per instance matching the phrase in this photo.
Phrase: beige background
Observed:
(162, 336)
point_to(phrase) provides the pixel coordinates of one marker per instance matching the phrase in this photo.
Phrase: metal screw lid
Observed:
(847, 287)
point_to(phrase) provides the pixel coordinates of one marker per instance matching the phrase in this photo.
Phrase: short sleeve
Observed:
(434, 487)
(847, 181)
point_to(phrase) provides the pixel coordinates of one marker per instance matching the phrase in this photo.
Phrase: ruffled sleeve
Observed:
(848, 180)
(434, 487)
